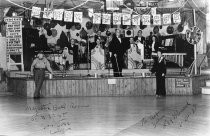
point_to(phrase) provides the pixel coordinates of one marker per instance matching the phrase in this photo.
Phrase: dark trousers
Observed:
(117, 64)
(160, 84)
(39, 75)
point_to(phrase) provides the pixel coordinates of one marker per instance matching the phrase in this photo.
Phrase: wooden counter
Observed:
(125, 86)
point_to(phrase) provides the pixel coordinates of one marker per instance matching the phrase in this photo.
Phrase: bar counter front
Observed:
(106, 86)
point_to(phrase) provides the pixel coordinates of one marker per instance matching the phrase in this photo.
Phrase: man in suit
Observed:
(118, 46)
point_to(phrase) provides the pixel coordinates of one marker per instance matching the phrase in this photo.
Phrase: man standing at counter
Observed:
(38, 69)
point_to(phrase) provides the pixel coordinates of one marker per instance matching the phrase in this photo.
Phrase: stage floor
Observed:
(106, 116)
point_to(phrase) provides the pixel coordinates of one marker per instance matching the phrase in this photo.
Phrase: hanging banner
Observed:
(166, 19)
(14, 35)
(68, 16)
(96, 18)
(116, 18)
(58, 14)
(36, 12)
(106, 19)
(78, 17)
(48, 13)
(146, 19)
(157, 19)
(126, 19)
(176, 18)
(153, 11)
(136, 19)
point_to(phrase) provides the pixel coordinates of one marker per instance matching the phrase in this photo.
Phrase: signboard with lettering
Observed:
(166, 19)
(146, 19)
(68, 16)
(126, 19)
(116, 18)
(78, 17)
(14, 35)
(182, 82)
(177, 17)
(106, 19)
(157, 19)
(136, 19)
(96, 18)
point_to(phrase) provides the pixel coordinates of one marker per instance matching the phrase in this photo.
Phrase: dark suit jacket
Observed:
(142, 39)
(119, 48)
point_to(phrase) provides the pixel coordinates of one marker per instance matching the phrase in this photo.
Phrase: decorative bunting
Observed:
(177, 17)
(78, 17)
(106, 19)
(116, 18)
(58, 14)
(68, 16)
(126, 19)
(96, 18)
(136, 19)
(157, 19)
(166, 19)
(48, 13)
(146, 19)
(36, 12)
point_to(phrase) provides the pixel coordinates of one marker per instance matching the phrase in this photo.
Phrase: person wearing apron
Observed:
(38, 70)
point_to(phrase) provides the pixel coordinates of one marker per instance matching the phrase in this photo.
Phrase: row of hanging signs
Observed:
(105, 18)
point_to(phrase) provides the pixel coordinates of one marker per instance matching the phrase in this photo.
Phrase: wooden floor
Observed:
(105, 116)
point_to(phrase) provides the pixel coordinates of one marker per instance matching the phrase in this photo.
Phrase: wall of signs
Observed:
(14, 38)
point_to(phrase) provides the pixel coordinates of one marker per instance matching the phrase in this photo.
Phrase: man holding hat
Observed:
(38, 69)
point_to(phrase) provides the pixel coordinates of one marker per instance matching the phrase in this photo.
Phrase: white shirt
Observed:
(119, 39)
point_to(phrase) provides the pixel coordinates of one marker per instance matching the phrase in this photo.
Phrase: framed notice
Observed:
(36, 12)
(116, 18)
(176, 18)
(48, 13)
(126, 19)
(58, 14)
(78, 17)
(157, 19)
(182, 82)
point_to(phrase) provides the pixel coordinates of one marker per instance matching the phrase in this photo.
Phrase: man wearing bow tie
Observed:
(118, 46)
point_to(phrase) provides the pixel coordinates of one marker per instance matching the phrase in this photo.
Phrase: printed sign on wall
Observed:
(58, 14)
(48, 14)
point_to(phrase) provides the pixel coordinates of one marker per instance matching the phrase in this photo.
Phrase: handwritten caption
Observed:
(53, 118)
(169, 117)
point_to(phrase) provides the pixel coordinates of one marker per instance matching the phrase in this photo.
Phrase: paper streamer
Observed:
(68, 16)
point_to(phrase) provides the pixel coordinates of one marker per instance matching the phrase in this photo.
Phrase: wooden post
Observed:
(195, 45)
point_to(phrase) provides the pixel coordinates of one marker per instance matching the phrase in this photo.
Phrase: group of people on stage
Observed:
(116, 46)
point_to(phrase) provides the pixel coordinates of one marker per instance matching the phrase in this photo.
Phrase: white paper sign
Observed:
(166, 19)
(136, 19)
(36, 12)
(111, 81)
(106, 19)
(157, 19)
(146, 19)
(116, 18)
(68, 16)
(58, 14)
(78, 17)
(126, 19)
(176, 18)
(48, 13)
(96, 18)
